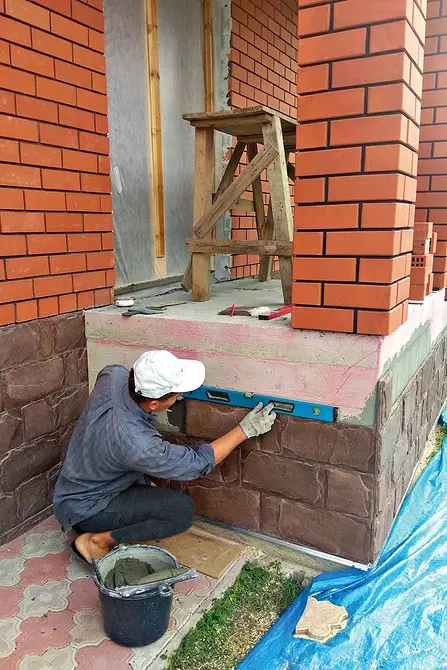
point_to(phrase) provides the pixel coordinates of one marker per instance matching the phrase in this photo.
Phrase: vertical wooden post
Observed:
(280, 200)
(203, 198)
(155, 121)
(208, 54)
(263, 224)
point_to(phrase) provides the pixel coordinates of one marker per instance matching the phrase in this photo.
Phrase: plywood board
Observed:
(209, 554)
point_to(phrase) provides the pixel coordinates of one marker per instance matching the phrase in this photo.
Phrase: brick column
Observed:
(431, 201)
(360, 85)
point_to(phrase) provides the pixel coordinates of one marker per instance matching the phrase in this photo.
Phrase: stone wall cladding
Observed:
(307, 482)
(43, 387)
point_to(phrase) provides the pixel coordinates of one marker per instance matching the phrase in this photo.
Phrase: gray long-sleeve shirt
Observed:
(113, 444)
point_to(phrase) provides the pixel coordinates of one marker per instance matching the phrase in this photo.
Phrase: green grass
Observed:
(237, 620)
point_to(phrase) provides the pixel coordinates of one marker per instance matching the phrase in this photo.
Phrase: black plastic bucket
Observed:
(141, 618)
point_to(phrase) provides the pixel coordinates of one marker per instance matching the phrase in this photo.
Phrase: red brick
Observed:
(48, 307)
(386, 215)
(100, 260)
(324, 269)
(326, 217)
(26, 311)
(107, 241)
(11, 198)
(306, 293)
(437, 27)
(77, 160)
(12, 291)
(96, 183)
(28, 13)
(16, 80)
(22, 222)
(45, 201)
(67, 303)
(9, 151)
(16, 32)
(383, 270)
(331, 105)
(101, 124)
(83, 202)
(12, 245)
(323, 318)
(98, 222)
(308, 244)
(390, 158)
(89, 16)
(103, 297)
(86, 242)
(46, 244)
(379, 323)
(51, 45)
(312, 135)
(19, 175)
(21, 129)
(332, 46)
(390, 67)
(60, 6)
(55, 285)
(110, 277)
(33, 108)
(57, 136)
(68, 29)
(393, 36)
(363, 243)
(360, 295)
(36, 154)
(96, 40)
(7, 315)
(439, 280)
(367, 187)
(106, 203)
(329, 161)
(310, 190)
(72, 74)
(25, 59)
(7, 105)
(104, 165)
(28, 266)
(60, 180)
(313, 78)
(88, 281)
(392, 98)
(94, 143)
(89, 59)
(355, 12)
(99, 82)
(63, 223)
(440, 264)
(313, 20)
(56, 90)
(86, 299)
(92, 101)
(67, 263)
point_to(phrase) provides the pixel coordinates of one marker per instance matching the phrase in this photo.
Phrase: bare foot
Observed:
(94, 545)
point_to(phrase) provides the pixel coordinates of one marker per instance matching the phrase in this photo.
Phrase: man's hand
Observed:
(259, 421)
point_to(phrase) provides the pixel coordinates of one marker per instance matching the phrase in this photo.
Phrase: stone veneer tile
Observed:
(232, 505)
(349, 492)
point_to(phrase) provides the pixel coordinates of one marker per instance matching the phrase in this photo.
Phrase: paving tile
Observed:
(39, 599)
(37, 635)
(100, 657)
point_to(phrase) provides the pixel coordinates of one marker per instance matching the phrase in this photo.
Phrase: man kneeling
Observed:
(101, 492)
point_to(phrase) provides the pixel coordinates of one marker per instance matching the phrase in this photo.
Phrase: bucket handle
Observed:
(165, 591)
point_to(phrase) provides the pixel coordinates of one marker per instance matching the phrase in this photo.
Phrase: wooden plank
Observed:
(258, 200)
(157, 199)
(225, 201)
(193, 117)
(262, 247)
(208, 54)
(280, 200)
(203, 196)
(266, 264)
(230, 170)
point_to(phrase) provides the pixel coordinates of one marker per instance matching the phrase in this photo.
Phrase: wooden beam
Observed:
(233, 247)
(203, 197)
(208, 54)
(266, 264)
(258, 200)
(225, 201)
(230, 170)
(280, 200)
(157, 199)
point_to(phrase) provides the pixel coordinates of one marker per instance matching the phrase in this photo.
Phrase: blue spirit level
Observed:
(298, 408)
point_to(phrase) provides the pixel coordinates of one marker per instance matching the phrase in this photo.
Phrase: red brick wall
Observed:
(431, 202)
(56, 241)
(360, 85)
(263, 62)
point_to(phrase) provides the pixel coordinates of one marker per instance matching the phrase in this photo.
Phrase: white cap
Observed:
(160, 372)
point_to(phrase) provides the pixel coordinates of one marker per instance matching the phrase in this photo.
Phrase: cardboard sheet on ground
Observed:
(397, 614)
(209, 554)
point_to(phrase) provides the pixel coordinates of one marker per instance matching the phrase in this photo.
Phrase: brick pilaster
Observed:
(360, 84)
(431, 201)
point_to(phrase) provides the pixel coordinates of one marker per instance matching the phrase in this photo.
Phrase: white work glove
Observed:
(259, 421)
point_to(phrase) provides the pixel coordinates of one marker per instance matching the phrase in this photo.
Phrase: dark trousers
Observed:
(142, 513)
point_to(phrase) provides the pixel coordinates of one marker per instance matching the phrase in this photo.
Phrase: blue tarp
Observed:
(397, 610)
